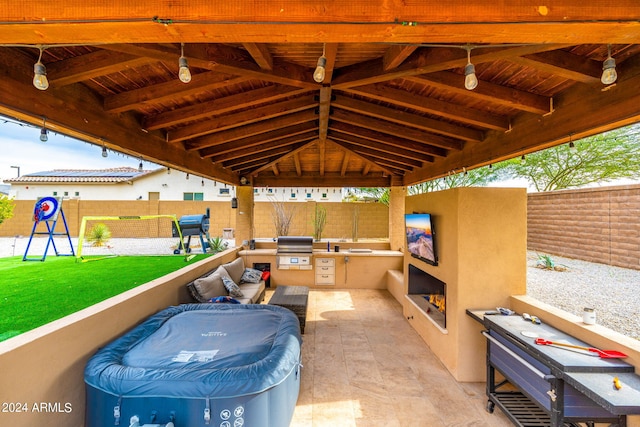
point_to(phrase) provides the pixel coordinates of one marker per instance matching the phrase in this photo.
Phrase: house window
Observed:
(270, 190)
(225, 192)
(308, 195)
(77, 194)
(293, 195)
(66, 194)
(324, 196)
(55, 193)
(193, 196)
(255, 191)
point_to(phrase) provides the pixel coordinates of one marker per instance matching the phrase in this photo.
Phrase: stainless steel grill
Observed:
(294, 252)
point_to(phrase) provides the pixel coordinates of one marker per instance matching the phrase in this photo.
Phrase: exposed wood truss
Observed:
(392, 108)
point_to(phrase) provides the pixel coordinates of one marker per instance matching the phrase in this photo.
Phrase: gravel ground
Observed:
(612, 291)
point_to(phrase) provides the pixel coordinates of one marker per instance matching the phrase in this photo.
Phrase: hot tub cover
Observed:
(200, 350)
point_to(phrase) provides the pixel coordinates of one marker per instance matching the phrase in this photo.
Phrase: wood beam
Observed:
(77, 112)
(91, 65)
(249, 130)
(329, 180)
(365, 158)
(257, 171)
(242, 118)
(394, 149)
(487, 92)
(395, 55)
(579, 112)
(324, 111)
(260, 53)
(253, 145)
(408, 119)
(221, 106)
(296, 161)
(394, 129)
(433, 106)
(430, 60)
(392, 142)
(563, 64)
(94, 22)
(345, 164)
(168, 91)
(398, 162)
(274, 136)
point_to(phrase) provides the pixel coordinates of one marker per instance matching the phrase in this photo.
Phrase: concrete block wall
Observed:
(373, 218)
(598, 225)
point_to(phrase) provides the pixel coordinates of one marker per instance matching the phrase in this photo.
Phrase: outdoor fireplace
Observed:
(429, 293)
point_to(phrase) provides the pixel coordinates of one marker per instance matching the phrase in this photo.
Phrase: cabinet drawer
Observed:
(325, 262)
(325, 270)
(325, 279)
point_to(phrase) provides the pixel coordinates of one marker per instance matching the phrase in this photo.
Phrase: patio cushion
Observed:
(212, 285)
(235, 269)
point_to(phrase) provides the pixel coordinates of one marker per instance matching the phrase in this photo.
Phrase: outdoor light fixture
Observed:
(183, 72)
(523, 160)
(140, 168)
(43, 132)
(609, 74)
(470, 79)
(187, 176)
(40, 74)
(319, 73)
(104, 151)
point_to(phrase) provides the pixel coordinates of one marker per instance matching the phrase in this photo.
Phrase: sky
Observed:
(20, 145)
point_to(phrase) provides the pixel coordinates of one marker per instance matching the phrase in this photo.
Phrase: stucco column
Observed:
(244, 214)
(396, 218)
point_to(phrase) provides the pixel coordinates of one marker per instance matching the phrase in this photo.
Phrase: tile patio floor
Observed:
(364, 365)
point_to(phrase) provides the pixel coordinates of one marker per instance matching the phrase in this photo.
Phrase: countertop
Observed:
(324, 253)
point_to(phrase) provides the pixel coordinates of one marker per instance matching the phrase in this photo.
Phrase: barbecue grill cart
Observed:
(192, 225)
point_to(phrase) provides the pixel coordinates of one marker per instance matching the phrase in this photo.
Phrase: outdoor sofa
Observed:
(229, 281)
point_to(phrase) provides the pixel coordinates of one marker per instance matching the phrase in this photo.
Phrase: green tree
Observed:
(599, 158)
(478, 177)
(6, 208)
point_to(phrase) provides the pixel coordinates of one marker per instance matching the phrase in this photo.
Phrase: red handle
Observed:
(542, 341)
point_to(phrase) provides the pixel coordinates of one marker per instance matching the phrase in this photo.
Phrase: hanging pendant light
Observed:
(609, 74)
(320, 72)
(40, 80)
(183, 72)
(470, 79)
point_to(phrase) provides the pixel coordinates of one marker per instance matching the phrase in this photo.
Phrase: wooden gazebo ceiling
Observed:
(392, 110)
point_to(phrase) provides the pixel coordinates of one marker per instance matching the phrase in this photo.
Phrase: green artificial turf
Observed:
(35, 293)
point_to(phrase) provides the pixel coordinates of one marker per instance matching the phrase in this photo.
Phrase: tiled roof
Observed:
(112, 175)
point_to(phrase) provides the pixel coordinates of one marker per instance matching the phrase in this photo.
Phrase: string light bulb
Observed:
(523, 160)
(43, 132)
(104, 151)
(183, 72)
(40, 80)
(609, 74)
(470, 79)
(572, 145)
(320, 72)
(140, 167)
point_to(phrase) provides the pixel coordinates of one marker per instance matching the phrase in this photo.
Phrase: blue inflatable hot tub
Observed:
(199, 365)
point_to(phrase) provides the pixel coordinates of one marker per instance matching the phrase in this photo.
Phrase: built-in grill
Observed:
(294, 252)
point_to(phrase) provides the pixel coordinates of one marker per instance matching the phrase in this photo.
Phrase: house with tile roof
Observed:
(127, 183)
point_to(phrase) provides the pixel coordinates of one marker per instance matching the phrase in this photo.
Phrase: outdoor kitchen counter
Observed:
(353, 270)
(324, 253)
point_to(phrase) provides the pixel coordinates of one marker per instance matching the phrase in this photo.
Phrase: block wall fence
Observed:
(598, 224)
(372, 218)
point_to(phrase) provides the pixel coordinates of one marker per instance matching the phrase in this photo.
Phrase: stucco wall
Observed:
(600, 224)
(481, 238)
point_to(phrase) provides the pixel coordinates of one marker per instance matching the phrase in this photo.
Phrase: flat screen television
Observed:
(421, 240)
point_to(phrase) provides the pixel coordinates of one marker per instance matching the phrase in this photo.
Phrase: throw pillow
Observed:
(211, 286)
(235, 269)
(251, 275)
(232, 288)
